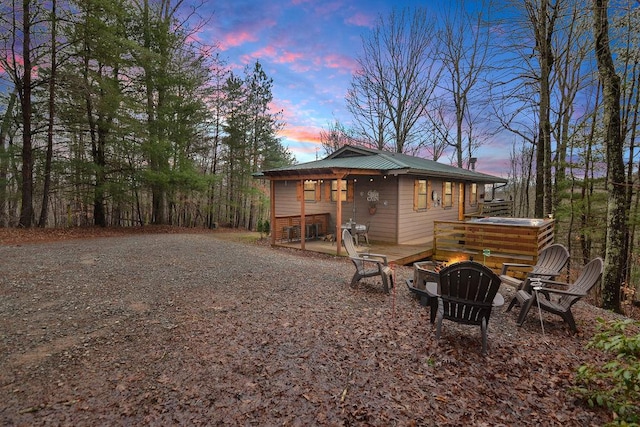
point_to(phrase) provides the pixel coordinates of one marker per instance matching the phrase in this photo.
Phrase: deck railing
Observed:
(491, 244)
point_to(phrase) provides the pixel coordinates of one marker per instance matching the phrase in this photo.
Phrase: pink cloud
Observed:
(235, 39)
(328, 8)
(341, 62)
(360, 19)
(265, 52)
(294, 59)
(301, 134)
(293, 116)
(289, 57)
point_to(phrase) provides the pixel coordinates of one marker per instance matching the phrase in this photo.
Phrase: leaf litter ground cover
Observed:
(172, 326)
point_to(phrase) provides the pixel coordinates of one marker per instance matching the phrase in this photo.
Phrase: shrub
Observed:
(263, 227)
(260, 227)
(614, 384)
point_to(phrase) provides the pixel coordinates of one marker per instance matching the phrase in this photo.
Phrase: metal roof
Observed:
(353, 159)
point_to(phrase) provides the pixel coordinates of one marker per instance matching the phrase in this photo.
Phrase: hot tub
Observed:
(528, 222)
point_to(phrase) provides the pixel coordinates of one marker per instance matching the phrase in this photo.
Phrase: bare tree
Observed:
(6, 126)
(571, 77)
(44, 211)
(397, 77)
(465, 48)
(369, 112)
(335, 136)
(521, 160)
(616, 241)
(543, 15)
(439, 130)
(627, 53)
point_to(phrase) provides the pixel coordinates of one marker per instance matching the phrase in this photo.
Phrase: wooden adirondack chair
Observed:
(467, 291)
(551, 261)
(559, 301)
(367, 264)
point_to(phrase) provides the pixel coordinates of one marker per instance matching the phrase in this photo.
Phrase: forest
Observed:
(114, 113)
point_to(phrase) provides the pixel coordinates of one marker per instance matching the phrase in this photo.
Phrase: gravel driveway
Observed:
(195, 329)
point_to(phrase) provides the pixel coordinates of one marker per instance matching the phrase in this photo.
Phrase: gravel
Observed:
(199, 329)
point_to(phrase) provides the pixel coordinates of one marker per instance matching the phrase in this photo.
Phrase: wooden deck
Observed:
(491, 241)
(399, 254)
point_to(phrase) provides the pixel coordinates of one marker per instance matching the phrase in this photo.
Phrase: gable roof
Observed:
(359, 160)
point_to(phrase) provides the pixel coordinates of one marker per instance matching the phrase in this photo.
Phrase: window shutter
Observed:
(415, 194)
(318, 191)
(349, 191)
(429, 195)
(299, 190)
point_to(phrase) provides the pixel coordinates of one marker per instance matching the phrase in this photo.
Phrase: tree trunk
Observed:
(26, 212)
(616, 242)
(44, 212)
(543, 26)
(5, 218)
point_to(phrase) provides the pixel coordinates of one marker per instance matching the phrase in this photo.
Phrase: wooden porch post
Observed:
(272, 208)
(461, 195)
(339, 217)
(303, 225)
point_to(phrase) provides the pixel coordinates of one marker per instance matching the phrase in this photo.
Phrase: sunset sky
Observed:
(309, 49)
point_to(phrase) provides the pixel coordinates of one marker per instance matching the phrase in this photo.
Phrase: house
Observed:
(398, 195)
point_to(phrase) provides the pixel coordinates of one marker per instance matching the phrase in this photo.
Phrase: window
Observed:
(473, 194)
(310, 188)
(420, 194)
(334, 190)
(447, 194)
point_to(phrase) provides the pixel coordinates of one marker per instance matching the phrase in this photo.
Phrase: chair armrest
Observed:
(507, 265)
(561, 292)
(545, 282)
(372, 260)
(380, 257)
(544, 272)
(511, 281)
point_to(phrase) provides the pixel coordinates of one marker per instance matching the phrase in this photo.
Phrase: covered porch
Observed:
(490, 240)
(397, 254)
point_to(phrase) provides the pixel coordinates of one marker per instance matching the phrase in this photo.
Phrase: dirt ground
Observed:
(161, 326)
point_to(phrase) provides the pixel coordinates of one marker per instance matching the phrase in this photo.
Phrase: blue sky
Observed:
(309, 49)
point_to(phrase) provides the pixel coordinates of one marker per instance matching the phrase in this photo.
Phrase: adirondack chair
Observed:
(367, 264)
(559, 301)
(467, 291)
(551, 261)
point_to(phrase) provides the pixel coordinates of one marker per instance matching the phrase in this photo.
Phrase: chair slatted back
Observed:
(467, 290)
(551, 259)
(347, 240)
(587, 279)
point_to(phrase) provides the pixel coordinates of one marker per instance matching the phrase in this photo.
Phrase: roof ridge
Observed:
(390, 156)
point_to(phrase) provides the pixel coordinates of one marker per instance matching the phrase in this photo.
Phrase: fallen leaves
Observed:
(190, 329)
